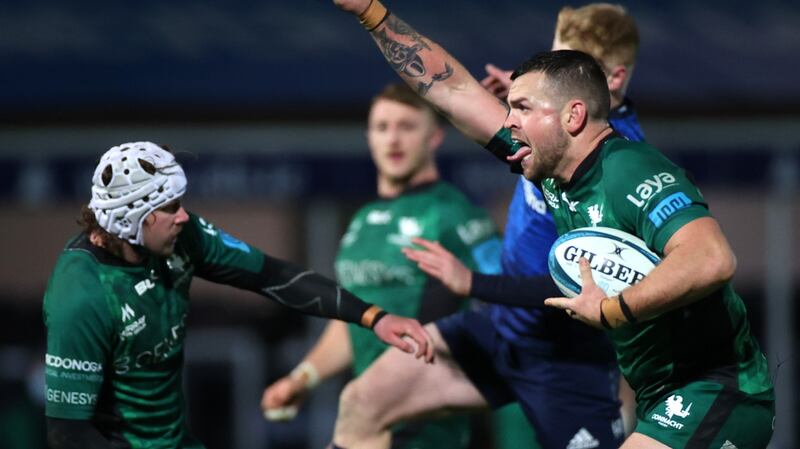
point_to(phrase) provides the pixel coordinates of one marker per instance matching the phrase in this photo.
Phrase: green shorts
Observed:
(706, 415)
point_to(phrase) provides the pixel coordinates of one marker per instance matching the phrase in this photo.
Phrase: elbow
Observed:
(722, 267)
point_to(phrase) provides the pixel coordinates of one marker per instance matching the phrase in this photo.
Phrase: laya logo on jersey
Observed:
(650, 187)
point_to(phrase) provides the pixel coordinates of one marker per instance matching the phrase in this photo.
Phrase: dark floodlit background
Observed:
(265, 104)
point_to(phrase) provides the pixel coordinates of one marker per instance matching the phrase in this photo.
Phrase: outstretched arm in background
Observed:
(438, 262)
(330, 356)
(497, 81)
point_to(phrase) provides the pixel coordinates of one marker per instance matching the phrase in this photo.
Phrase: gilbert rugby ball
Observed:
(618, 259)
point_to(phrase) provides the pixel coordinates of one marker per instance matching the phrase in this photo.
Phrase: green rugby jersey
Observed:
(632, 187)
(371, 265)
(115, 333)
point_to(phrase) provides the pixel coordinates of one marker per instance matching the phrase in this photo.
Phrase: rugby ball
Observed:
(618, 259)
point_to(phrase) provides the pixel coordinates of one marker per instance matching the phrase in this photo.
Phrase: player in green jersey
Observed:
(403, 134)
(681, 335)
(116, 305)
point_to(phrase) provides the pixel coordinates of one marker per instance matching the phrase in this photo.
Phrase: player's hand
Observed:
(497, 81)
(405, 334)
(441, 264)
(586, 306)
(352, 6)
(282, 399)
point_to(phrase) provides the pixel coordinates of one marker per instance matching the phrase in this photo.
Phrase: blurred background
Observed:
(265, 103)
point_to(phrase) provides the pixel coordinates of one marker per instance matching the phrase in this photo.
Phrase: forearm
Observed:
(513, 291)
(697, 262)
(333, 352)
(74, 434)
(440, 79)
(309, 292)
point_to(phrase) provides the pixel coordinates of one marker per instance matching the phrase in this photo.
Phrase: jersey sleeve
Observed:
(651, 196)
(218, 256)
(222, 258)
(79, 339)
(501, 146)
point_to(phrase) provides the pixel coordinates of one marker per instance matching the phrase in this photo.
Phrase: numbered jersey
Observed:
(632, 187)
(371, 265)
(115, 333)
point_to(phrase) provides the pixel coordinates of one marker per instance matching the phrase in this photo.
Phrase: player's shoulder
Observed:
(625, 161)
(451, 200)
(76, 284)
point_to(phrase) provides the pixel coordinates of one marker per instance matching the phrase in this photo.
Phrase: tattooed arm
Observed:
(436, 75)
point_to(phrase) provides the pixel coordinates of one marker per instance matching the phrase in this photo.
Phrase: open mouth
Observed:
(396, 156)
(524, 153)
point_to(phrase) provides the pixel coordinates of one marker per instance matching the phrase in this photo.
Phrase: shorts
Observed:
(571, 404)
(708, 415)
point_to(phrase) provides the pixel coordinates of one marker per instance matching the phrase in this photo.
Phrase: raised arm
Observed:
(431, 71)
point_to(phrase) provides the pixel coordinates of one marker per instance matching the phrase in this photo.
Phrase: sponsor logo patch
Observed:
(70, 397)
(583, 440)
(650, 187)
(232, 242)
(673, 409)
(85, 366)
(667, 207)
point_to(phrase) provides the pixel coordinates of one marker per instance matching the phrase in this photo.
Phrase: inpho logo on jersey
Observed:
(667, 207)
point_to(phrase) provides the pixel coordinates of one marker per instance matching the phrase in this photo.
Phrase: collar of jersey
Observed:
(588, 162)
(81, 242)
(415, 189)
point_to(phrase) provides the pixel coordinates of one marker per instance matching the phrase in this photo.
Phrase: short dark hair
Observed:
(571, 74)
(402, 93)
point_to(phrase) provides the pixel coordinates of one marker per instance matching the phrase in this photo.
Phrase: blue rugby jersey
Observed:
(529, 234)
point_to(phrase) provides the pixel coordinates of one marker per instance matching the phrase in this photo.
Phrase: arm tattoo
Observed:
(401, 57)
(405, 59)
(423, 88)
(399, 27)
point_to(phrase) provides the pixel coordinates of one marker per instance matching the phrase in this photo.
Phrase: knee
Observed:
(355, 404)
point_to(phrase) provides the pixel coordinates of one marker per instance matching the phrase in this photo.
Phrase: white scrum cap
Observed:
(132, 180)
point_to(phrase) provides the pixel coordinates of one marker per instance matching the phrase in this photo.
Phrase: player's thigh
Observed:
(398, 386)
(639, 441)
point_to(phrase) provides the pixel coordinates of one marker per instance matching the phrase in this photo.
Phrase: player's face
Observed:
(161, 228)
(401, 139)
(535, 122)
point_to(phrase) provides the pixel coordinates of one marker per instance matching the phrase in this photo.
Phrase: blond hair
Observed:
(603, 30)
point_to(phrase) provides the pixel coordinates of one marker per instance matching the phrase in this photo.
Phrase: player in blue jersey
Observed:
(561, 372)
